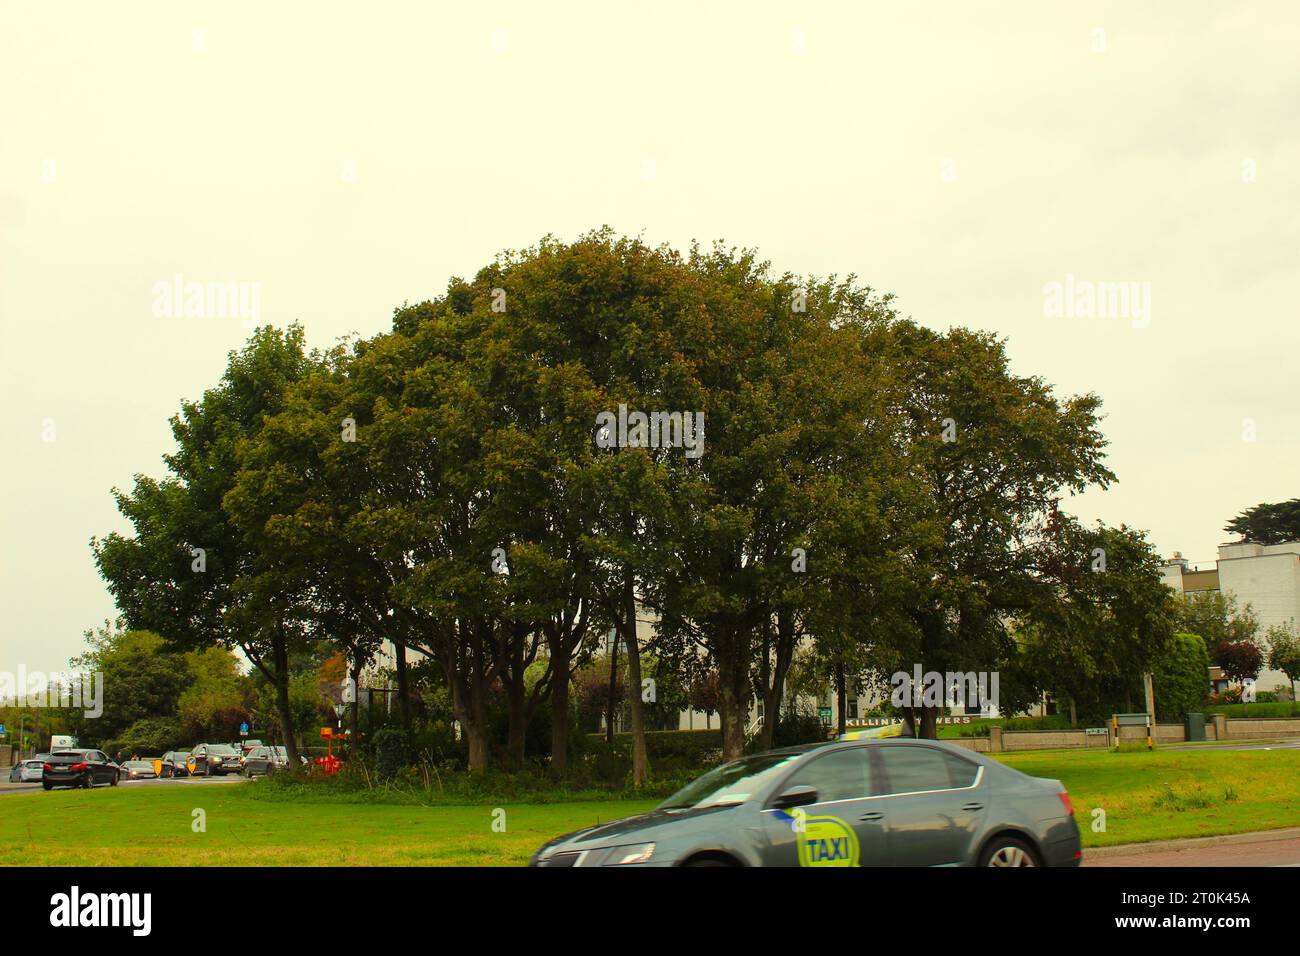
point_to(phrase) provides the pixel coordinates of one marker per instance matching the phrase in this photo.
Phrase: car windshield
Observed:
(730, 784)
(220, 750)
(138, 764)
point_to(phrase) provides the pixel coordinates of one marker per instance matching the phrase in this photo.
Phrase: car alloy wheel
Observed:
(1011, 854)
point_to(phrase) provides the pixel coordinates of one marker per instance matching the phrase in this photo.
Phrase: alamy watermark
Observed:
(1085, 299)
(24, 688)
(179, 299)
(626, 429)
(967, 689)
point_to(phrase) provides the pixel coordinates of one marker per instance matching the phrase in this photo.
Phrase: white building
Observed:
(1265, 576)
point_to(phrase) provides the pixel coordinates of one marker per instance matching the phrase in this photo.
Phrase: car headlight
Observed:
(634, 853)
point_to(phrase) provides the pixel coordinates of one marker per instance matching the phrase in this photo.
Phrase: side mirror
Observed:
(799, 796)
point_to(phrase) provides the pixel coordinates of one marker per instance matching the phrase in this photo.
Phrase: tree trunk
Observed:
(841, 699)
(281, 656)
(476, 736)
(613, 687)
(734, 705)
(560, 713)
(640, 764)
(1074, 713)
(355, 706)
(774, 691)
(403, 684)
(929, 722)
(517, 722)
(476, 727)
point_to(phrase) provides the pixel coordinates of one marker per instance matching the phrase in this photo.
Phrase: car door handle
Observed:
(972, 807)
(873, 815)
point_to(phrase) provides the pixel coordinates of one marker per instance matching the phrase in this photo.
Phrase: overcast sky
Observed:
(347, 159)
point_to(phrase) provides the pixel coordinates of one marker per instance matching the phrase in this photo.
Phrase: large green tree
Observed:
(1104, 619)
(992, 454)
(1268, 523)
(187, 570)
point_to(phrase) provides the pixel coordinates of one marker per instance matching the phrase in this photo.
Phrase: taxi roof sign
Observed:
(875, 733)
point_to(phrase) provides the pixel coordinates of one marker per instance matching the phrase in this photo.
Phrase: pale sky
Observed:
(348, 158)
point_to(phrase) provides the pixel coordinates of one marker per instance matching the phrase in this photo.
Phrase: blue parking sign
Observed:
(2, 730)
(243, 730)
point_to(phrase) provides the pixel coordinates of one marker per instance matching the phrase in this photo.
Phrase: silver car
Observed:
(894, 802)
(28, 771)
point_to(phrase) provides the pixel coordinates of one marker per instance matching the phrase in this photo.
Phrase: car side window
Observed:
(919, 769)
(963, 771)
(840, 775)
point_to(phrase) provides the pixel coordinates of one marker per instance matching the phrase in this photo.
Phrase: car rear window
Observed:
(918, 769)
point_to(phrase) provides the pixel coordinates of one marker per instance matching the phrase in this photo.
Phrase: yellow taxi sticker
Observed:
(827, 841)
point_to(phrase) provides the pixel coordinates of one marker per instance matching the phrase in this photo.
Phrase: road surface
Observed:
(1270, 848)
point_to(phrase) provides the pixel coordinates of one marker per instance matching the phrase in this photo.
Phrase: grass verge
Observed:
(1146, 796)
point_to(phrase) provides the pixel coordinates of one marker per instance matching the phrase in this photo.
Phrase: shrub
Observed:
(798, 727)
(392, 751)
(1181, 677)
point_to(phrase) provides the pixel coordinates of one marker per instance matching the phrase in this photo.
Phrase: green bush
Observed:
(393, 751)
(798, 727)
(1252, 710)
(151, 736)
(1180, 677)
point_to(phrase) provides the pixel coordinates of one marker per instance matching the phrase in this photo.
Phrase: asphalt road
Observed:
(1273, 848)
(6, 787)
(1258, 745)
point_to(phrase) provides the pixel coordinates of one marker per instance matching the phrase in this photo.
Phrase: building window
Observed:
(851, 711)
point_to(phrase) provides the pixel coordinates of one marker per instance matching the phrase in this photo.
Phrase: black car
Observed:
(213, 760)
(173, 764)
(78, 768)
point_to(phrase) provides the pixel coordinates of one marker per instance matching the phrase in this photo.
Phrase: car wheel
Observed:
(113, 782)
(87, 781)
(47, 785)
(707, 861)
(1008, 851)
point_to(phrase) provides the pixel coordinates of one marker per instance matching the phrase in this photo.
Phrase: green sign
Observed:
(825, 715)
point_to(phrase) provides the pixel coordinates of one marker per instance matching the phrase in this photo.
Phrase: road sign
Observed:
(825, 714)
(243, 730)
(2, 730)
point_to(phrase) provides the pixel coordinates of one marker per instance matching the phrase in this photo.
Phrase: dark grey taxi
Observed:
(893, 802)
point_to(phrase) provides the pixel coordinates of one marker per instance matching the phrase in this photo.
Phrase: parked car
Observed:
(28, 771)
(172, 764)
(212, 760)
(248, 744)
(78, 768)
(264, 760)
(883, 802)
(137, 770)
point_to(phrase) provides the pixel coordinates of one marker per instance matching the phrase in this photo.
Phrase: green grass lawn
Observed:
(1164, 795)
(145, 826)
(1146, 796)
